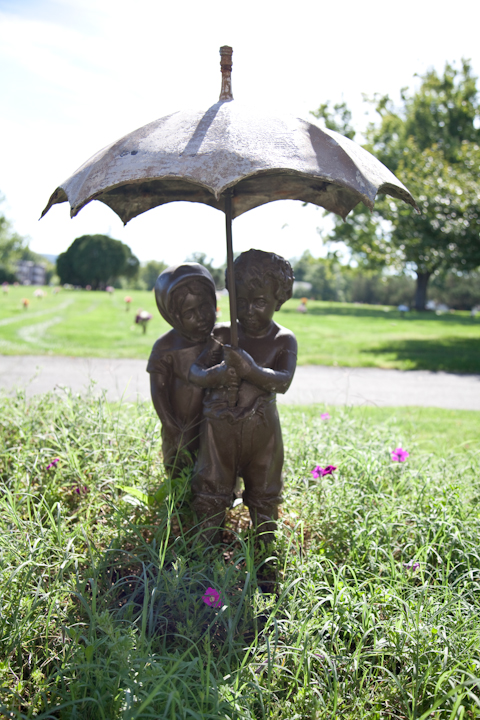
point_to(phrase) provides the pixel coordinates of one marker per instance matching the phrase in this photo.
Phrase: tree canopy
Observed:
(218, 273)
(150, 271)
(13, 247)
(431, 142)
(96, 260)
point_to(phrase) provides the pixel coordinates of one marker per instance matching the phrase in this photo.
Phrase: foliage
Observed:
(432, 142)
(13, 247)
(368, 605)
(96, 260)
(339, 120)
(95, 324)
(324, 275)
(218, 273)
(456, 290)
(149, 273)
(332, 281)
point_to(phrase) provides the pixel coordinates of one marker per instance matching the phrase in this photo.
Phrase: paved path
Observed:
(128, 379)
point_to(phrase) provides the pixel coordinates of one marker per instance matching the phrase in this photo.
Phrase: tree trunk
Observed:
(421, 290)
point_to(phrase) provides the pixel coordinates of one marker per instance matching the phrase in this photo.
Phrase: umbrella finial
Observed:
(226, 66)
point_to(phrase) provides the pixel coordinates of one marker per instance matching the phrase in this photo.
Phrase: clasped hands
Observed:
(235, 366)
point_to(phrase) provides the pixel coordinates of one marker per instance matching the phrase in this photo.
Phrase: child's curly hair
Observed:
(253, 267)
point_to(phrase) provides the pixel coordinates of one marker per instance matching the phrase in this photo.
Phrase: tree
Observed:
(218, 274)
(96, 260)
(13, 247)
(432, 143)
(324, 275)
(150, 272)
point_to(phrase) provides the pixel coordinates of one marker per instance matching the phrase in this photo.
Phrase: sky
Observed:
(79, 74)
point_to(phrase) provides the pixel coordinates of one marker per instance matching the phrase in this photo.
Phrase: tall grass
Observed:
(367, 607)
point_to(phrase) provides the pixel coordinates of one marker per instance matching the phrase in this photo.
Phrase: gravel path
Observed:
(127, 379)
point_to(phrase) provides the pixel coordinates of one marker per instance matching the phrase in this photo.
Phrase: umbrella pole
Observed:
(232, 295)
(230, 274)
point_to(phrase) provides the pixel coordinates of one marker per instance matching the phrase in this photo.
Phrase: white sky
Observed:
(78, 74)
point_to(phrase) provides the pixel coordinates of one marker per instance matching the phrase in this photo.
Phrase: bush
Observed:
(332, 281)
(461, 292)
(96, 260)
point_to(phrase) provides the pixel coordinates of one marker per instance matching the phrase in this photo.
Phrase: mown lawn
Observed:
(367, 607)
(95, 324)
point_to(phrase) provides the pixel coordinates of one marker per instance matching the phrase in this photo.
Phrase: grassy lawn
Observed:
(95, 324)
(374, 612)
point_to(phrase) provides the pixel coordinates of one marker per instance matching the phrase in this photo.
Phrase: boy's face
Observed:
(197, 316)
(255, 308)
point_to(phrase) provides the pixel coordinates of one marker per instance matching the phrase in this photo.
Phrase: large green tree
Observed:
(96, 260)
(431, 142)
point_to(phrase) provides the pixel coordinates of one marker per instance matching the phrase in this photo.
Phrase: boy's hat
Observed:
(172, 278)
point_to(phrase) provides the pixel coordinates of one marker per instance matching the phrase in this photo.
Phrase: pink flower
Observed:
(413, 566)
(53, 463)
(325, 416)
(212, 598)
(320, 472)
(399, 455)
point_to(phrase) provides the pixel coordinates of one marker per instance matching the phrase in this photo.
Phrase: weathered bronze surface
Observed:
(234, 158)
(226, 68)
(185, 296)
(246, 440)
(196, 155)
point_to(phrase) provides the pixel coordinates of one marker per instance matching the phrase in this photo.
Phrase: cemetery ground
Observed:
(96, 324)
(367, 606)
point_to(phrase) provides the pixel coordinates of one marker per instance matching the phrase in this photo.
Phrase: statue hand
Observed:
(225, 376)
(238, 359)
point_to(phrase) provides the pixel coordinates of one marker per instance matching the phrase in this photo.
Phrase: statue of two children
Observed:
(218, 402)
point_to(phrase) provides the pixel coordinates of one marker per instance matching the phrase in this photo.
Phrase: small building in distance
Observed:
(31, 273)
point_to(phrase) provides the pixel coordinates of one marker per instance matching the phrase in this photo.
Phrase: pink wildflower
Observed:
(212, 598)
(325, 416)
(413, 566)
(399, 455)
(53, 463)
(321, 472)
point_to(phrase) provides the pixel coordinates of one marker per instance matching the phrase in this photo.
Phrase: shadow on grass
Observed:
(460, 355)
(379, 312)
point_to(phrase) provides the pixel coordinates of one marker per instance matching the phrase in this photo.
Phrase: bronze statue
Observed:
(240, 434)
(185, 296)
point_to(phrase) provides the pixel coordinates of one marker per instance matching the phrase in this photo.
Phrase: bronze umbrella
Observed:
(234, 158)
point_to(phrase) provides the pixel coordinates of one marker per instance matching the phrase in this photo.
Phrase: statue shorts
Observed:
(245, 442)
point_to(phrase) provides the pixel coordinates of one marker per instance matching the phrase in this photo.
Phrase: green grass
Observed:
(101, 612)
(377, 336)
(95, 324)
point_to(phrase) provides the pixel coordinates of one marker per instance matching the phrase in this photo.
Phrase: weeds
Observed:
(373, 602)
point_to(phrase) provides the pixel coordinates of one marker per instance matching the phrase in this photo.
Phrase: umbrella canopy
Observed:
(196, 155)
(233, 158)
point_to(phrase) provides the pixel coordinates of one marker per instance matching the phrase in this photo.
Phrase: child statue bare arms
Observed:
(185, 296)
(243, 438)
